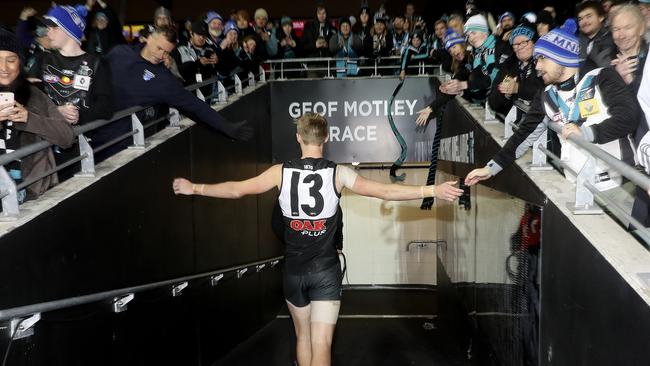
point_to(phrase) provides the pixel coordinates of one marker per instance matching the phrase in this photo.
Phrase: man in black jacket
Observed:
(599, 108)
(319, 27)
(597, 48)
(141, 78)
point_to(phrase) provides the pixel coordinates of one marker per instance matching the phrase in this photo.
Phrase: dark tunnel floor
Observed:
(360, 340)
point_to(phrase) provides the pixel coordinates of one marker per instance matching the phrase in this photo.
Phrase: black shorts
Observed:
(325, 285)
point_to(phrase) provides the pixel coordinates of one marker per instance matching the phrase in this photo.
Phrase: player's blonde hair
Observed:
(312, 128)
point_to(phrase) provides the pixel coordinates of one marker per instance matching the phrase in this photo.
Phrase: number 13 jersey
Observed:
(309, 202)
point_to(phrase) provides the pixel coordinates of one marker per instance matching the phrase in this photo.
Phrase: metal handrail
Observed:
(624, 169)
(321, 59)
(608, 202)
(21, 311)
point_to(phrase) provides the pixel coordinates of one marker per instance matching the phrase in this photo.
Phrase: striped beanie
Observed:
(505, 15)
(524, 29)
(452, 38)
(71, 19)
(560, 45)
(476, 23)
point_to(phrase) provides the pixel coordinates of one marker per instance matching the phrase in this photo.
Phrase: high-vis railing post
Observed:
(262, 78)
(584, 203)
(138, 136)
(174, 118)
(9, 196)
(539, 161)
(251, 80)
(222, 94)
(88, 162)
(508, 123)
(238, 88)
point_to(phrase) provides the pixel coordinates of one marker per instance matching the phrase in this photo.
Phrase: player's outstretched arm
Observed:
(402, 192)
(264, 182)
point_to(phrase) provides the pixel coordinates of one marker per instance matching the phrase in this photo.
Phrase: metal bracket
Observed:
(511, 118)
(260, 267)
(222, 95)
(88, 163)
(174, 118)
(238, 88)
(9, 195)
(199, 94)
(138, 138)
(262, 75)
(275, 263)
(214, 280)
(584, 203)
(490, 116)
(539, 158)
(251, 80)
(177, 290)
(23, 327)
(120, 303)
(241, 272)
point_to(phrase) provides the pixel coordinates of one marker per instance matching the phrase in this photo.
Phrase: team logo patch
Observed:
(557, 117)
(148, 75)
(50, 78)
(66, 80)
(588, 108)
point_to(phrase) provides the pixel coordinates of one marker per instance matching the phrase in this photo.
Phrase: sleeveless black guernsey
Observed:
(310, 211)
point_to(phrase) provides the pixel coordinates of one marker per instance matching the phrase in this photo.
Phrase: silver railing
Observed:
(23, 318)
(279, 68)
(585, 191)
(9, 189)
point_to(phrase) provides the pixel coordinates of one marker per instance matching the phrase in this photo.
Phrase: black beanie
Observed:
(9, 42)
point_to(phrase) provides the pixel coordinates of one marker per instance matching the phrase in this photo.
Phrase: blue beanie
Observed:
(523, 29)
(560, 45)
(452, 38)
(212, 15)
(230, 26)
(70, 19)
(506, 14)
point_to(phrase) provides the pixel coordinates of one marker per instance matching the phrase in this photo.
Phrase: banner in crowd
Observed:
(357, 114)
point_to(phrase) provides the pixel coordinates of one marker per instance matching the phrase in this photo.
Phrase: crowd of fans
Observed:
(586, 71)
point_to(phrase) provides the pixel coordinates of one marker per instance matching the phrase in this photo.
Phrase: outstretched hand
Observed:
(477, 175)
(182, 186)
(447, 191)
(423, 116)
(241, 130)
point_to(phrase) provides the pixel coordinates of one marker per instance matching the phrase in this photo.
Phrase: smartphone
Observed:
(6, 98)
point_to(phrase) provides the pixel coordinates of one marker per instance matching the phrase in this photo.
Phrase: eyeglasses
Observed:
(521, 44)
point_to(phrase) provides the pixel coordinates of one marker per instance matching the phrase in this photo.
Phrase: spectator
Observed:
(362, 29)
(215, 28)
(628, 28)
(505, 26)
(437, 52)
(379, 43)
(162, 17)
(345, 44)
(242, 19)
(471, 7)
(456, 23)
(196, 60)
(227, 52)
(417, 51)
(318, 27)
(644, 6)
(79, 83)
(140, 78)
(489, 55)
(267, 41)
(602, 116)
(248, 61)
(597, 48)
(545, 23)
(519, 82)
(31, 118)
(40, 45)
(607, 5)
(106, 31)
(400, 36)
(551, 10)
(409, 13)
(455, 45)
(25, 37)
(289, 43)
